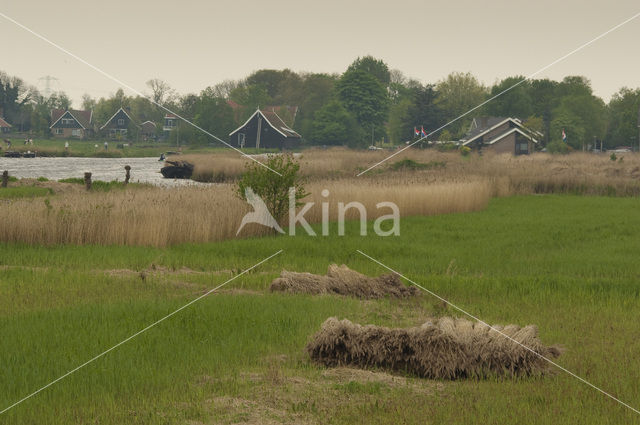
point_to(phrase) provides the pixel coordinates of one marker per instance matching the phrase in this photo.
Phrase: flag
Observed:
(422, 132)
(416, 132)
(564, 136)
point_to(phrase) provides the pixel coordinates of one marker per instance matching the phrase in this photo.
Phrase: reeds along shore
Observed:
(419, 182)
(580, 173)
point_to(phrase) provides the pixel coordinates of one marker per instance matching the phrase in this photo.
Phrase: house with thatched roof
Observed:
(68, 123)
(264, 129)
(5, 127)
(501, 135)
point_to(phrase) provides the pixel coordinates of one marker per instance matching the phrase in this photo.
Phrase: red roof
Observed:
(83, 117)
(5, 124)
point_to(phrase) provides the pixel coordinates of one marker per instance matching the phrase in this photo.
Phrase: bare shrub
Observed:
(342, 280)
(444, 348)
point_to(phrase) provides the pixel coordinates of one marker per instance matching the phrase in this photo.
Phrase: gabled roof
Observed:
(5, 124)
(506, 133)
(114, 115)
(82, 117)
(482, 126)
(274, 122)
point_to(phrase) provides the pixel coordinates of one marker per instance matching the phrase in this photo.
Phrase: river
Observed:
(143, 170)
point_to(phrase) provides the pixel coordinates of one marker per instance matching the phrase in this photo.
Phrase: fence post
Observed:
(5, 178)
(127, 176)
(87, 180)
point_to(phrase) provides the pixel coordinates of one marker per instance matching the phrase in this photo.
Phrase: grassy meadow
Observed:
(565, 263)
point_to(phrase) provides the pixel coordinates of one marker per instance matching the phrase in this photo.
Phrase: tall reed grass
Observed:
(161, 217)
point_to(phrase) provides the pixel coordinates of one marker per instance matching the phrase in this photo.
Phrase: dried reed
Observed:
(445, 348)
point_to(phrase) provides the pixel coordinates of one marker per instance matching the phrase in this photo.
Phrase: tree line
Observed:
(367, 103)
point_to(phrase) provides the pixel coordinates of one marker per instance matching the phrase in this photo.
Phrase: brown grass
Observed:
(161, 217)
(579, 173)
(342, 281)
(445, 348)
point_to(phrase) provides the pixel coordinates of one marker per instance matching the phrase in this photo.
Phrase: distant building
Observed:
(148, 130)
(170, 123)
(5, 127)
(71, 123)
(118, 126)
(264, 129)
(501, 135)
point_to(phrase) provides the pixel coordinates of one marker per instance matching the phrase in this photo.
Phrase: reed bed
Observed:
(162, 217)
(579, 173)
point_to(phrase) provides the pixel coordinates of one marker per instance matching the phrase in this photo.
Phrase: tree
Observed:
(374, 67)
(457, 94)
(273, 188)
(334, 125)
(365, 98)
(318, 89)
(515, 100)
(161, 92)
(250, 98)
(88, 102)
(624, 110)
(214, 115)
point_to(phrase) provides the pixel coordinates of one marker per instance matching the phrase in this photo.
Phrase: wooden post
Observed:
(5, 178)
(128, 175)
(87, 180)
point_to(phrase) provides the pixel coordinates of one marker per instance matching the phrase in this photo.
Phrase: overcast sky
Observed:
(192, 44)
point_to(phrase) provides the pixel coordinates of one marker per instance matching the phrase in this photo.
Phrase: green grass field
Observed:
(567, 264)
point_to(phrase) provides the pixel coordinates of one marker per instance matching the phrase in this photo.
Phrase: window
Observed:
(169, 123)
(67, 121)
(120, 121)
(58, 131)
(241, 140)
(76, 132)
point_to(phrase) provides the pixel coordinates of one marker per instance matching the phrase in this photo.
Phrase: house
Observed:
(170, 123)
(264, 129)
(501, 135)
(5, 127)
(118, 126)
(71, 123)
(148, 130)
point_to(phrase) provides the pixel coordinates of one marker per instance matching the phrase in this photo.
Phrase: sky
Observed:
(194, 44)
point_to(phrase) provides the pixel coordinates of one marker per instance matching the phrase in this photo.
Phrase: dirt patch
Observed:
(443, 348)
(342, 280)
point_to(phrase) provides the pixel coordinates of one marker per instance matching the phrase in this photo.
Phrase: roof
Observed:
(5, 124)
(291, 110)
(274, 122)
(480, 124)
(82, 117)
(483, 125)
(170, 116)
(114, 115)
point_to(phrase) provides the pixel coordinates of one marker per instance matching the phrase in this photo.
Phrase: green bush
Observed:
(465, 150)
(613, 156)
(271, 187)
(558, 147)
(42, 179)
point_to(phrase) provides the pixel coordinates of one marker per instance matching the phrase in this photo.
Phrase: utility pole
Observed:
(47, 84)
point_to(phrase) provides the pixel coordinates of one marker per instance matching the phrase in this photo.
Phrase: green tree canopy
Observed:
(365, 98)
(374, 67)
(334, 125)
